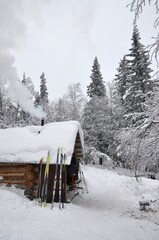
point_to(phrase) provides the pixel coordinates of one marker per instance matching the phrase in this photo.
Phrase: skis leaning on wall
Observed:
(60, 179)
(45, 183)
(64, 176)
(38, 193)
(55, 178)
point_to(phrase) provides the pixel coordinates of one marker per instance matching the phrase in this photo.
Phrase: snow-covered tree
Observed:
(97, 86)
(43, 93)
(26, 117)
(70, 106)
(118, 90)
(137, 6)
(97, 124)
(121, 79)
(97, 118)
(139, 83)
(3, 97)
(139, 145)
(61, 110)
(75, 101)
(28, 83)
(37, 99)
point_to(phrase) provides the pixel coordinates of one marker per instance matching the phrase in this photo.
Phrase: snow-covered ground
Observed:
(109, 212)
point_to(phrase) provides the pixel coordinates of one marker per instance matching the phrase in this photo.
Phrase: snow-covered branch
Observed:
(137, 6)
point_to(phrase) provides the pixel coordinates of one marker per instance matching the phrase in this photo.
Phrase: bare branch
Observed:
(156, 23)
(154, 49)
(157, 6)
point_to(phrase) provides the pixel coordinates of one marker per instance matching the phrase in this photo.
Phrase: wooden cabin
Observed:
(21, 150)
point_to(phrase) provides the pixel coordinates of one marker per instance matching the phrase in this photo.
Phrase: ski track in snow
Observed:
(109, 212)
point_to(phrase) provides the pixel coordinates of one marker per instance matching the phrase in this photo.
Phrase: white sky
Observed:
(62, 37)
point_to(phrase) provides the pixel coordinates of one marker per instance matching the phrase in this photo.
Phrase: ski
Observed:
(55, 179)
(47, 179)
(45, 183)
(38, 193)
(84, 181)
(80, 180)
(60, 179)
(64, 190)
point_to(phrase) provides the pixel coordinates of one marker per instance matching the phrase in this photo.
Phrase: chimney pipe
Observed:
(42, 122)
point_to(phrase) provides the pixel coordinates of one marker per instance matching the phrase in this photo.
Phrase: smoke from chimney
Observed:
(12, 35)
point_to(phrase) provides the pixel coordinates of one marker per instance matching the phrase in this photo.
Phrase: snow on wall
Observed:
(30, 144)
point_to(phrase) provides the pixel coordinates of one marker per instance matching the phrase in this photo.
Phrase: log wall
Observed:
(26, 176)
(23, 175)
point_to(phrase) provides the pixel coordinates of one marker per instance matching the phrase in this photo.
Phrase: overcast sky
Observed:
(62, 37)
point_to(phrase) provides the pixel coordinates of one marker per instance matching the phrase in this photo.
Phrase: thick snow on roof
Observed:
(30, 144)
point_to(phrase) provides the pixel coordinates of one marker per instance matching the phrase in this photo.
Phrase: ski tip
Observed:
(41, 160)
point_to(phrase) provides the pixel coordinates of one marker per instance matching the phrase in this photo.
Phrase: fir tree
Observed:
(97, 86)
(25, 116)
(37, 99)
(139, 83)
(121, 79)
(43, 92)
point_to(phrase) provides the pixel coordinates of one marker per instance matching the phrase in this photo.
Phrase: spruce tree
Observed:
(37, 99)
(121, 79)
(26, 117)
(139, 83)
(43, 93)
(97, 113)
(97, 86)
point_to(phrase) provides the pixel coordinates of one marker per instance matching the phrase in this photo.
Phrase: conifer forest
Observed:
(119, 118)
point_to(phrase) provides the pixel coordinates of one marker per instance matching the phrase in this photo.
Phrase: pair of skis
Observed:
(42, 190)
(38, 193)
(60, 161)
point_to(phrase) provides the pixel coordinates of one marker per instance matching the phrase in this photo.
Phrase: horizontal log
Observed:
(8, 169)
(79, 154)
(14, 178)
(12, 174)
(19, 182)
(78, 143)
(77, 147)
(78, 151)
(29, 175)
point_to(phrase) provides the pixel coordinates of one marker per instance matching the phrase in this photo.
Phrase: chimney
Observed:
(42, 122)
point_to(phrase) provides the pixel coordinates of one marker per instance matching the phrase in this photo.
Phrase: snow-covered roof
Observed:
(29, 144)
